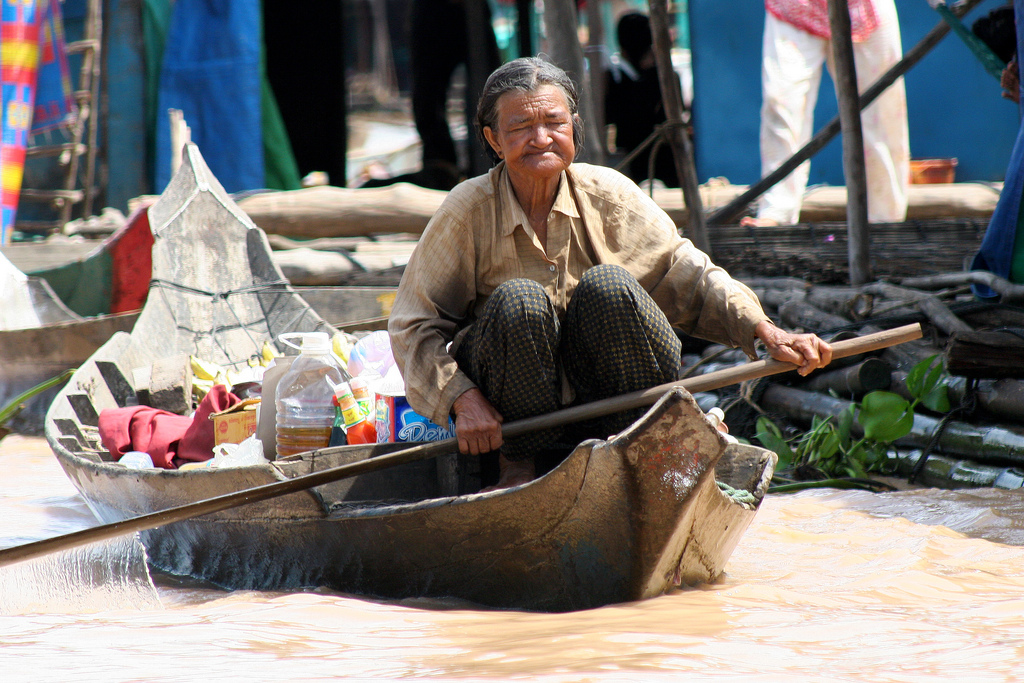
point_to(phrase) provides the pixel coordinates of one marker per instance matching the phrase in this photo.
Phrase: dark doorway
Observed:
(305, 52)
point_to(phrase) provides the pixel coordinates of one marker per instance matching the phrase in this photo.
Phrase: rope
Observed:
(967, 406)
(279, 286)
(264, 286)
(983, 52)
(738, 495)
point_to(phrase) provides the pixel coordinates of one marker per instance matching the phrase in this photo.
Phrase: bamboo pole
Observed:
(596, 63)
(730, 211)
(854, 169)
(476, 76)
(566, 51)
(675, 132)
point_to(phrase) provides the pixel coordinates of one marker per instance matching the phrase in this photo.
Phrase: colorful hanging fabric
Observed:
(20, 21)
(54, 104)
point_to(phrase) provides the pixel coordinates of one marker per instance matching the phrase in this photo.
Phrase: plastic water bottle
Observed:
(305, 412)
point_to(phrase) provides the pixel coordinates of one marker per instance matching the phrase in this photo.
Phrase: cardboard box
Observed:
(236, 424)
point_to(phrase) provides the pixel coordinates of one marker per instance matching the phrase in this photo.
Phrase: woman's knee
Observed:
(605, 280)
(518, 299)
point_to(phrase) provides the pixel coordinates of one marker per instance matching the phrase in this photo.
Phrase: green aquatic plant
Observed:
(828, 447)
(10, 410)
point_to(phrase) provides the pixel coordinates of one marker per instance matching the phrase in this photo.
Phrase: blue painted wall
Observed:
(954, 106)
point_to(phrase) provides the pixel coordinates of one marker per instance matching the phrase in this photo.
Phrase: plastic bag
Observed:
(247, 453)
(371, 355)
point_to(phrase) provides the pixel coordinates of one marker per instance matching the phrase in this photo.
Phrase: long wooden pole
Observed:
(733, 209)
(854, 168)
(562, 23)
(712, 380)
(477, 71)
(678, 138)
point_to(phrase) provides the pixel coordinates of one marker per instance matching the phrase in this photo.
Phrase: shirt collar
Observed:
(512, 214)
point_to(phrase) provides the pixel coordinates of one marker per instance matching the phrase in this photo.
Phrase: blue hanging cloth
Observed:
(211, 72)
(996, 253)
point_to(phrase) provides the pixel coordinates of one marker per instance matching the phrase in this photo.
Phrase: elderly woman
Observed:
(545, 283)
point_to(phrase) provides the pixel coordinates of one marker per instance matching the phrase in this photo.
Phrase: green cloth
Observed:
(281, 171)
(86, 286)
(156, 19)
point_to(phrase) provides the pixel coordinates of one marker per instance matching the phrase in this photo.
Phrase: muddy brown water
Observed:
(825, 586)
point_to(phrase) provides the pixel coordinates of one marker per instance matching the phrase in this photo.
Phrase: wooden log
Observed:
(923, 202)
(327, 211)
(989, 355)
(339, 212)
(940, 316)
(848, 302)
(1009, 293)
(341, 306)
(946, 472)
(871, 374)
(891, 291)
(800, 314)
(309, 267)
(786, 283)
(776, 298)
(1000, 398)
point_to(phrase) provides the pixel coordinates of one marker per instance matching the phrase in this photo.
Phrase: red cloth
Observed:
(131, 254)
(812, 16)
(170, 440)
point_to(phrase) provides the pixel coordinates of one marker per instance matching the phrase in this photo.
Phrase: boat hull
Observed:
(618, 520)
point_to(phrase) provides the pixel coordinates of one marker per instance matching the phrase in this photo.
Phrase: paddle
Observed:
(711, 380)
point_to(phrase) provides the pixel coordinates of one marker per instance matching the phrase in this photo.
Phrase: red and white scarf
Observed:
(812, 16)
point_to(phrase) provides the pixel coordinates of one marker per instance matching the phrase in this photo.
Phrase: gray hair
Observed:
(525, 75)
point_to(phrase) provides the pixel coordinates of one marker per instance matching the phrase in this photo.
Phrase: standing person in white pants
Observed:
(797, 41)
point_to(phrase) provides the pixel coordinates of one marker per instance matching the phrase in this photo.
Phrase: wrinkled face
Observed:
(534, 134)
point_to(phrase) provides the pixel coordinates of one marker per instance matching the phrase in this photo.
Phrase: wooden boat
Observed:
(617, 520)
(39, 339)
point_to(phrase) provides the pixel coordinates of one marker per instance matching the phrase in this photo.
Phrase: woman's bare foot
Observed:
(513, 473)
(751, 221)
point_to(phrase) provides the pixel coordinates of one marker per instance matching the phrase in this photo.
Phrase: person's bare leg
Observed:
(513, 473)
(752, 221)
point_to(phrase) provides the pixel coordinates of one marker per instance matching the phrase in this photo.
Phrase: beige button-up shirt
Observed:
(480, 237)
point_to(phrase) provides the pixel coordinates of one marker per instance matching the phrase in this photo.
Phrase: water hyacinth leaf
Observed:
(845, 424)
(924, 376)
(937, 399)
(885, 416)
(771, 438)
(829, 445)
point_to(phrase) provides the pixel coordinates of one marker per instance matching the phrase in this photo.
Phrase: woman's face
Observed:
(534, 132)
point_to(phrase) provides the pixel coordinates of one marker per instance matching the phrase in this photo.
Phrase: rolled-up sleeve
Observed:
(437, 291)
